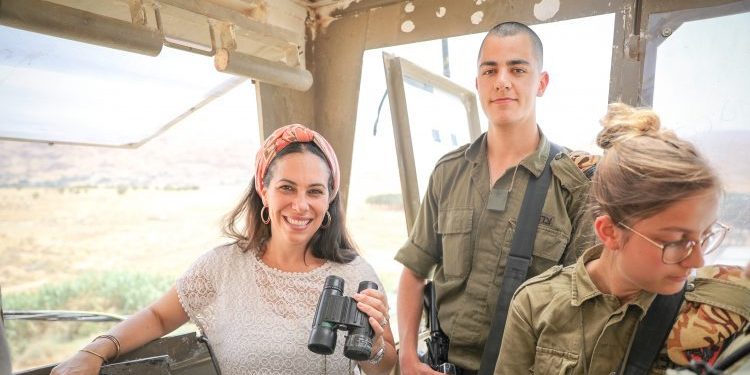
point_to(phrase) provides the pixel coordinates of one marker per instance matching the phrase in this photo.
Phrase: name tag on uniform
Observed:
(498, 200)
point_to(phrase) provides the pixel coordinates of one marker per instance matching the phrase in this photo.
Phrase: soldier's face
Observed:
(509, 80)
(640, 261)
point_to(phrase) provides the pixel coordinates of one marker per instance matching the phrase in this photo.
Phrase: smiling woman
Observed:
(266, 282)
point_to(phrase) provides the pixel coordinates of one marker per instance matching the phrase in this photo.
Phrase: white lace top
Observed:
(257, 319)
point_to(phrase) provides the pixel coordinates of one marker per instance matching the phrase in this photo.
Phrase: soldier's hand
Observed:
(415, 367)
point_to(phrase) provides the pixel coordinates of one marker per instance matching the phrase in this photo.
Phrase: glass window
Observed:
(109, 229)
(700, 91)
(577, 56)
(438, 124)
(95, 95)
(375, 210)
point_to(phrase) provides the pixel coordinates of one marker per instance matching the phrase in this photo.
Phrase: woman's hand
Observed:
(372, 302)
(383, 355)
(82, 363)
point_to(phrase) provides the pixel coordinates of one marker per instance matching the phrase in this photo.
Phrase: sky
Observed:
(702, 76)
(94, 94)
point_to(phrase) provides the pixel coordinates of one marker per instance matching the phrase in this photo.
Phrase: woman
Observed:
(255, 299)
(655, 204)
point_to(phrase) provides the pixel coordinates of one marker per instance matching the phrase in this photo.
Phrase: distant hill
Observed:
(195, 154)
(188, 155)
(727, 151)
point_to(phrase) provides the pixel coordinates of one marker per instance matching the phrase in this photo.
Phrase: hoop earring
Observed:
(266, 219)
(325, 224)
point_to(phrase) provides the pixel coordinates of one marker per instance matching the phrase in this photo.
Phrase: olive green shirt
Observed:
(466, 244)
(560, 323)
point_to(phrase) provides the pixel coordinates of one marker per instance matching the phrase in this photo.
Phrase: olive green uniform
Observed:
(466, 244)
(560, 323)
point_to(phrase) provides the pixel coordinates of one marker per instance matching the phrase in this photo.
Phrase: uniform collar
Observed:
(584, 289)
(534, 162)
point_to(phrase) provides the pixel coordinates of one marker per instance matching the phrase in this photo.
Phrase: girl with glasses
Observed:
(655, 201)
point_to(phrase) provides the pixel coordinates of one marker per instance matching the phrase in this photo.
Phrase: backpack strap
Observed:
(652, 332)
(519, 259)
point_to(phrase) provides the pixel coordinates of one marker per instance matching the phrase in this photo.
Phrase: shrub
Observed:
(120, 293)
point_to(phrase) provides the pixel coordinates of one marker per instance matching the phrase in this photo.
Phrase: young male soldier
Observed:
(467, 219)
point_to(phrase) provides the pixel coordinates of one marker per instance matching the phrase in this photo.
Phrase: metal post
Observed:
(275, 73)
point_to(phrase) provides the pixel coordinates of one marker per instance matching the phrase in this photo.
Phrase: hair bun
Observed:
(623, 122)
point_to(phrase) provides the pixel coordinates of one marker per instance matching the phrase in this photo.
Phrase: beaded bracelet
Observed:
(104, 360)
(114, 341)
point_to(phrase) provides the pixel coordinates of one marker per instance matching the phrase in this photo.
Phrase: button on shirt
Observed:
(465, 244)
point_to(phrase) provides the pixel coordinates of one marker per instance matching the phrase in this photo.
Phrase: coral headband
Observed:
(285, 136)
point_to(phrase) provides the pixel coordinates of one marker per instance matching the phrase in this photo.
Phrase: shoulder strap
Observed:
(519, 259)
(652, 332)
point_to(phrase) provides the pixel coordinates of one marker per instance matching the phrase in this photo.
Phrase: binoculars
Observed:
(338, 312)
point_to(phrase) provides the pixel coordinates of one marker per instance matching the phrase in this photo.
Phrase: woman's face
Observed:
(640, 261)
(297, 197)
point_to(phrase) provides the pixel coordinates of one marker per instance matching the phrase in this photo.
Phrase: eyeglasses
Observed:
(676, 251)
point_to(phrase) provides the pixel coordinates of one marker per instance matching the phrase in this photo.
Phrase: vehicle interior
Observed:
(111, 109)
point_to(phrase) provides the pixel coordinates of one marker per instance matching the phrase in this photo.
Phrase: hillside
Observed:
(191, 154)
(726, 151)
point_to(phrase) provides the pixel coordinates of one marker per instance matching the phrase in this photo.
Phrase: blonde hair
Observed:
(644, 168)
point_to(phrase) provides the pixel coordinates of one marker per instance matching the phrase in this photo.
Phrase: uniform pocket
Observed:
(549, 247)
(550, 361)
(454, 226)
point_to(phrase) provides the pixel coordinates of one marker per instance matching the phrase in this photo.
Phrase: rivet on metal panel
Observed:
(633, 47)
(666, 32)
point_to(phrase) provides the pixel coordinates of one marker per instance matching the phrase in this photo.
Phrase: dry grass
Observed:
(50, 235)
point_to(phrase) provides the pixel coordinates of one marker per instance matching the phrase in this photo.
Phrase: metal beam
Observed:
(637, 36)
(75, 24)
(279, 106)
(276, 73)
(234, 17)
(337, 70)
(467, 18)
(662, 24)
(407, 169)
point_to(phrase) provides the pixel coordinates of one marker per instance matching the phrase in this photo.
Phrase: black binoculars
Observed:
(336, 311)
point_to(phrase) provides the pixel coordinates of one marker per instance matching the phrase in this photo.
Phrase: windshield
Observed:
(101, 229)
